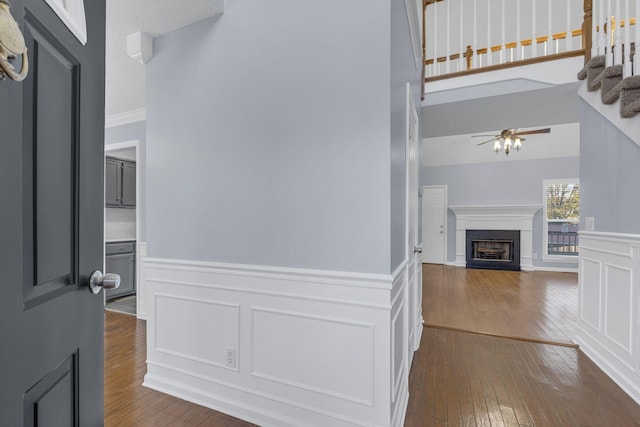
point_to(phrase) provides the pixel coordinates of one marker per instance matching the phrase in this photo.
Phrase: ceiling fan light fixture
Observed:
(507, 145)
(496, 146)
(517, 144)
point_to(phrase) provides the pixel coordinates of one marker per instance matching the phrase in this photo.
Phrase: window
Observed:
(561, 216)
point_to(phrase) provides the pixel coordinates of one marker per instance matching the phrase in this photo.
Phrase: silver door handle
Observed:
(417, 249)
(107, 281)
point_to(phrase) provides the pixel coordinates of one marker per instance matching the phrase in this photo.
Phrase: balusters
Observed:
(475, 27)
(503, 42)
(609, 31)
(436, 67)
(534, 44)
(595, 28)
(447, 62)
(489, 59)
(627, 40)
(617, 31)
(461, 25)
(548, 46)
(519, 55)
(636, 58)
(569, 40)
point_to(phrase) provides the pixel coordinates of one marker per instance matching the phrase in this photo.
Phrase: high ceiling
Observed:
(125, 78)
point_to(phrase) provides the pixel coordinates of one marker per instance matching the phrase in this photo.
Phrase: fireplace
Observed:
(504, 217)
(493, 249)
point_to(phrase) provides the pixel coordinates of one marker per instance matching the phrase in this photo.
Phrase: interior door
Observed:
(51, 215)
(413, 247)
(434, 216)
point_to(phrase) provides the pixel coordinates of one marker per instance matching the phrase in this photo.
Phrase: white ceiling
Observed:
(125, 78)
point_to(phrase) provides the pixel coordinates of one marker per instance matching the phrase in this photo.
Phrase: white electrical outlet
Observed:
(230, 357)
(590, 223)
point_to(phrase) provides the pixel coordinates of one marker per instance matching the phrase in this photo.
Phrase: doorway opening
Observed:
(122, 224)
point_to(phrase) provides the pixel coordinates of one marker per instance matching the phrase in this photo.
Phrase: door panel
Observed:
(51, 215)
(433, 224)
(49, 165)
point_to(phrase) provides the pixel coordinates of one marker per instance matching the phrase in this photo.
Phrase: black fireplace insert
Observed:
(493, 249)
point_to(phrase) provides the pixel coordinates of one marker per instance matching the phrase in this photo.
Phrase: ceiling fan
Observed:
(511, 138)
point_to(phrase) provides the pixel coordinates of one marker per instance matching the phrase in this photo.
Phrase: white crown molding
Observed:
(125, 118)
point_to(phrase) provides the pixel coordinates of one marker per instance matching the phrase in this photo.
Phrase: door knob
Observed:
(417, 249)
(106, 281)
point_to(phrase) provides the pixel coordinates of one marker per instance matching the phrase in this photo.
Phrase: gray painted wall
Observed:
(609, 174)
(543, 107)
(130, 132)
(500, 183)
(270, 145)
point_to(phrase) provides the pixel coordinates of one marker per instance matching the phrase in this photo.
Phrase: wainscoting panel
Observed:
(201, 318)
(590, 292)
(300, 357)
(401, 345)
(280, 347)
(608, 328)
(618, 308)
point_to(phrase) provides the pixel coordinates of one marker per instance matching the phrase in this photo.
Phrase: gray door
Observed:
(51, 213)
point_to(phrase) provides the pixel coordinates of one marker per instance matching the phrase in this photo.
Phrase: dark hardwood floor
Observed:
(539, 306)
(464, 379)
(457, 378)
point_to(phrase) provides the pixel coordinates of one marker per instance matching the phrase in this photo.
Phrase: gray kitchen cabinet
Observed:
(120, 185)
(120, 258)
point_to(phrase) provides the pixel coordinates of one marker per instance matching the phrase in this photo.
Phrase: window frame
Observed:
(545, 222)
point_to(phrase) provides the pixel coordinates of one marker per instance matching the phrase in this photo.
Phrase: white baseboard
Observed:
(312, 348)
(627, 379)
(557, 269)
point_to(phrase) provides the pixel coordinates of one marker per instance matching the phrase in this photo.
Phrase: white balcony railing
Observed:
(463, 35)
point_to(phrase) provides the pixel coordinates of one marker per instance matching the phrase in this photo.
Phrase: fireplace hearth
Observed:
(493, 249)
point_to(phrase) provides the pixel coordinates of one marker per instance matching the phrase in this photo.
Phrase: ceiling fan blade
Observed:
(474, 136)
(489, 140)
(533, 132)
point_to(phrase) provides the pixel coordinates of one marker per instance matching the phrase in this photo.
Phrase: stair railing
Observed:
(615, 33)
(465, 36)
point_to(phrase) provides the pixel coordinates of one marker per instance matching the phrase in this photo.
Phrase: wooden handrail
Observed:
(523, 62)
(510, 45)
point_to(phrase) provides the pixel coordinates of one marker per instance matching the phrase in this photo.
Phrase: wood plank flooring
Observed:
(533, 305)
(457, 378)
(464, 379)
(126, 402)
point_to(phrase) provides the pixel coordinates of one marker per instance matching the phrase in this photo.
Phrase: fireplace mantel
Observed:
(494, 217)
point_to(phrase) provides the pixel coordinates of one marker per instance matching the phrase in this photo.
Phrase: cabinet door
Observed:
(113, 177)
(128, 184)
(124, 265)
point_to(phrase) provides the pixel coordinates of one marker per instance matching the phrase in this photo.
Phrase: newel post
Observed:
(587, 27)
